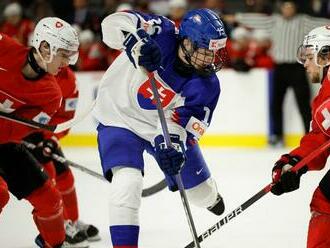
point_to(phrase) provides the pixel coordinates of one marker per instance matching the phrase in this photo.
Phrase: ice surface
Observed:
(271, 222)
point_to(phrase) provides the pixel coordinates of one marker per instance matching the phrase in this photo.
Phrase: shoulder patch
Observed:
(196, 127)
(322, 117)
(71, 104)
(42, 118)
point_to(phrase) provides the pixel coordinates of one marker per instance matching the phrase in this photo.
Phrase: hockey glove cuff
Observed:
(284, 180)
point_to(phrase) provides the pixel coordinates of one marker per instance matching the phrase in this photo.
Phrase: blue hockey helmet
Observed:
(205, 32)
(204, 28)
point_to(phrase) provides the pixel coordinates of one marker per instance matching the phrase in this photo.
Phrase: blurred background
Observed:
(249, 113)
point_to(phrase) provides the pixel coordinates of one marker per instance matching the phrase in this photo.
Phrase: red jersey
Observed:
(320, 129)
(37, 99)
(66, 79)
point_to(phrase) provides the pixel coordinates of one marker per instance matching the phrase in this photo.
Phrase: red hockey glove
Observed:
(283, 178)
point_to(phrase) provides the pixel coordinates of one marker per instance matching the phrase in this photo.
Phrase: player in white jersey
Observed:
(184, 63)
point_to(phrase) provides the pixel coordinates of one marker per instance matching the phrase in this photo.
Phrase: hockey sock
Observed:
(125, 193)
(318, 231)
(65, 184)
(319, 224)
(48, 213)
(124, 236)
(4, 195)
(320, 202)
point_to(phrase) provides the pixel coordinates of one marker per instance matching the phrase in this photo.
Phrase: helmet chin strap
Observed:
(324, 72)
(34, 65)
(45, 62)
(323, 68)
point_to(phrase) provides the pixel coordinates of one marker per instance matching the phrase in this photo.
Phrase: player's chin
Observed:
(313, 78)
(54, 71)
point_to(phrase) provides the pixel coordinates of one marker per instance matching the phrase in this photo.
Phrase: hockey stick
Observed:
(53, 128)
(145, 193)
(168, 143)
(257, 196)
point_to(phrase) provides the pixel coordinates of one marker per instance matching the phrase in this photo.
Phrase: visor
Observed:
(304, 53)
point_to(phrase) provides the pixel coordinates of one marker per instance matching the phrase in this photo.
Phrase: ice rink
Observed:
(271, 222)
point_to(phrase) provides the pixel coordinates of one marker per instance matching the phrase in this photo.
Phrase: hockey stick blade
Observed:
(257, 196)
(145, 193)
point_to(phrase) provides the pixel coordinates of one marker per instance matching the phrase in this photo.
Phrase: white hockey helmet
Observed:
(317, 43)
(58, 34)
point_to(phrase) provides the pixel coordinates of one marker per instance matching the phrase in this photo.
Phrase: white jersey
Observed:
(117, 100)
(125, 98)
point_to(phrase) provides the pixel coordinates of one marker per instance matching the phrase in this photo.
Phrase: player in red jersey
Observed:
(59, 172)
(314, 54)
(4, 193)
(29, 89)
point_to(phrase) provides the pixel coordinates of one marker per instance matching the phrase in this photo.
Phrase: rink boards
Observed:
(241, 118)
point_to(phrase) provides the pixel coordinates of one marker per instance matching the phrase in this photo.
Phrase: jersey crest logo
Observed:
(71, 104)
(42, 118)
(146, 98)
(8, 103)
(6, 106)
(58, 24)
(322, 117)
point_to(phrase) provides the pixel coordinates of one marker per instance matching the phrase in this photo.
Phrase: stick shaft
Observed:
(257, 196)
(178, 179)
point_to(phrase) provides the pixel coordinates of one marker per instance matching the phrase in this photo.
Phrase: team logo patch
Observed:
(146, 98)
(217, 44)
(322, 117)
(196, 127)
(197, 18)
(8, 103)
(58, 24)
(7, 106)
(42, 118)
(71, 104)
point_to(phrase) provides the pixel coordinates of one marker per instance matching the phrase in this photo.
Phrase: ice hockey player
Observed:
(29, 89)
(61, 173)
(184, 65)
(314, 54)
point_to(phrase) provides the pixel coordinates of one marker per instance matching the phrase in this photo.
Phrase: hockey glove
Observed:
(44, 150)
(284, 179)
(169, 159)
(142, 50)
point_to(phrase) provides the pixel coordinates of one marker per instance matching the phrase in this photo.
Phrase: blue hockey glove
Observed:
(283, 178)
(143, 50)
(169, 159)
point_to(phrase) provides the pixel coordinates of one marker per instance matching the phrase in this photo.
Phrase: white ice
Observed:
(271, 222)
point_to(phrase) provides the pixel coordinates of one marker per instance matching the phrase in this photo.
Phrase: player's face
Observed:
(60, 59)
(202, 57)
(312, 69)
